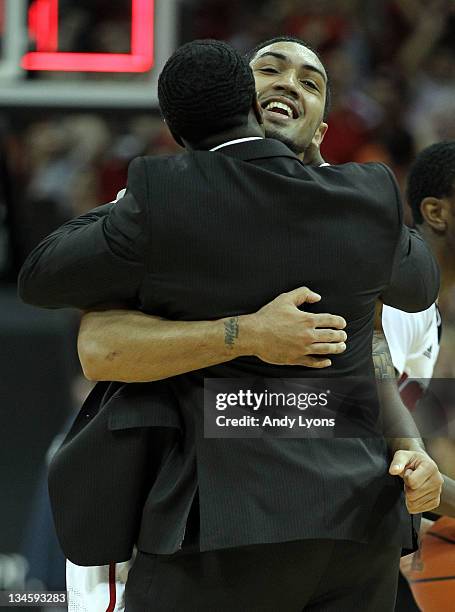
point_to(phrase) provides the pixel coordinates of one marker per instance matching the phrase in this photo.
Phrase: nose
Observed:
(288, 82)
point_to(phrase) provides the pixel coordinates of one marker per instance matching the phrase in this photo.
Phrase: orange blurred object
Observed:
(431, 572)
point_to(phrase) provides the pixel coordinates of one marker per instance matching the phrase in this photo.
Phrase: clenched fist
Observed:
(422, 480)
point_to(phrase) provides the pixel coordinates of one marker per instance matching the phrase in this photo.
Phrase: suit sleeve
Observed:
(95, 259)
(414, 281)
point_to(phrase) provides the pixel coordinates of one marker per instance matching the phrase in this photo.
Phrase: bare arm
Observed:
(411, 462)
(397, 418)
(130, 346)
(443, 452)
(447, 505)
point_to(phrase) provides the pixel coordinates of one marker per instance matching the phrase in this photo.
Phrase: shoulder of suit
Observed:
(372, 176)
(166, 166)
(178, 162)
(151, 161)
(377, 168)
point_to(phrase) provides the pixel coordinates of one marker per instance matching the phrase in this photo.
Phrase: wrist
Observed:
(239, 336)
(407, 444)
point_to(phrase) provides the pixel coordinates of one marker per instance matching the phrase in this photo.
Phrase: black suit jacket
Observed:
(206, 235)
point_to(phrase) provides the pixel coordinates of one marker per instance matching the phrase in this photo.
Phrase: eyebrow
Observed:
(285, 58)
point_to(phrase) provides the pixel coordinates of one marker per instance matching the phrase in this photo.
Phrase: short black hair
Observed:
(206, 87)
(252, 54)
(431, 175)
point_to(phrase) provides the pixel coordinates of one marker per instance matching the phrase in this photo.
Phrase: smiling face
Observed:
(291, 85)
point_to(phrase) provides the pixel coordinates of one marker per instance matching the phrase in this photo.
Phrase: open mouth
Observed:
(281, 108)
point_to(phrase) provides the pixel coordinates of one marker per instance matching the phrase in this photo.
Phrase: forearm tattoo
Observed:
(383, 365)
(231, 331)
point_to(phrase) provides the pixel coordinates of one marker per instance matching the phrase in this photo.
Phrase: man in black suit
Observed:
(126, 263)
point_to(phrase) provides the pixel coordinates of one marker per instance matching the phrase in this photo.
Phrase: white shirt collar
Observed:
(231, 142)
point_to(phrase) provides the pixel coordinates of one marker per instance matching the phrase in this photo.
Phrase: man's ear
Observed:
(175, 136)
(319, 134)
(435, 212)
(258, 112)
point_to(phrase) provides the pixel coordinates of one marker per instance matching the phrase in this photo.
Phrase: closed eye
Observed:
(269, 70)
(310, 84)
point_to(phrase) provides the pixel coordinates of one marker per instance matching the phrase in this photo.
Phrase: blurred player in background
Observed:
(413, 339)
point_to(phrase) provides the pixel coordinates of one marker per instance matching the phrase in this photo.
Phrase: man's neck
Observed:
(445, 258)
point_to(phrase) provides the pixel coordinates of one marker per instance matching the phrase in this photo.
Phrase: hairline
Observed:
(284, 57)
(293, 42)
(421, 163)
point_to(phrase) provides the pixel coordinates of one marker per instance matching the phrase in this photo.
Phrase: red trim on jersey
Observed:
(403, 378)
(112, 590)
(411, 391)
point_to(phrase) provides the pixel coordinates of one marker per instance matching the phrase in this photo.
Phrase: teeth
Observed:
(284, 107)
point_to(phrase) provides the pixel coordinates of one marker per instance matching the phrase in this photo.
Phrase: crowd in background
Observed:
(390, 62)
(391, 65)
(63, 165)
(392, 71)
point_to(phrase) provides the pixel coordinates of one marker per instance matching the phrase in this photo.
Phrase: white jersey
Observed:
(413, 339)
(99, 588)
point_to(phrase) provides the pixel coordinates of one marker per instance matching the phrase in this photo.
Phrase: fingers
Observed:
(419, 495)
(425, 470)
(332, 348)
(303, 295)
(315, 362)
(424, 504)
(423, 482)
(329, 335)
(414, 467)
(329, 320)
(400, 460)
(425, 497)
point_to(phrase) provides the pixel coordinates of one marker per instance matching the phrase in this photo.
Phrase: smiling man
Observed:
(293, 90)
(171, 251)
